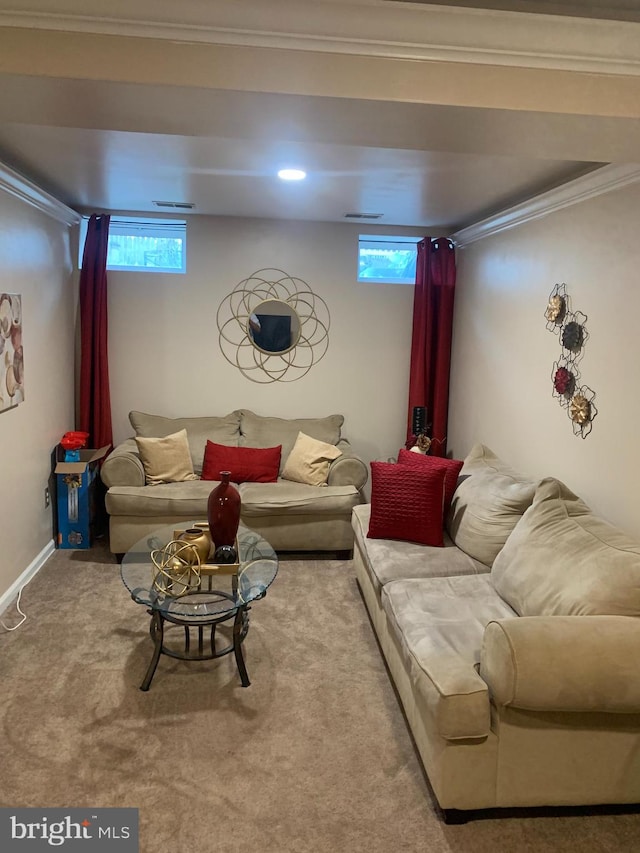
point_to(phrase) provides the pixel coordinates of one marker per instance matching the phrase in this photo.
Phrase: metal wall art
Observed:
(273, 327)
(571, 328)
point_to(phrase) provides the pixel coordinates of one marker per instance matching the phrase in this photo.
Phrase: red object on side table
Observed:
(223, 512)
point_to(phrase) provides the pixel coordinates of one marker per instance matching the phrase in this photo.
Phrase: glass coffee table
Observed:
(184, 626)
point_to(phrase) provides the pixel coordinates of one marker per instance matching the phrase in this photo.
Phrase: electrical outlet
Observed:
(47, 498)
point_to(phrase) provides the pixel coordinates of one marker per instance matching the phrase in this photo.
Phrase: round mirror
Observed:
(273, 327)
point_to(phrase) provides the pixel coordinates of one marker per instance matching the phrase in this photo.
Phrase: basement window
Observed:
(387, 260)
(143, 245)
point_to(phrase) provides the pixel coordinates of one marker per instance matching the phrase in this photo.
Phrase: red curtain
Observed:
(95, 400)
(431, 339)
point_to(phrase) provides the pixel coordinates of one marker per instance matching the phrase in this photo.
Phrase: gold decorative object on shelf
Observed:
(176, 568)
(200, 538)
(273, 327)
(208, 566)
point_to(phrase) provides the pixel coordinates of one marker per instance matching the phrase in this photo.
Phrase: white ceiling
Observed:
(121, 144)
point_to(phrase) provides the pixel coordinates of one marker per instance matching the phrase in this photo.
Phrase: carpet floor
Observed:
(313, 757)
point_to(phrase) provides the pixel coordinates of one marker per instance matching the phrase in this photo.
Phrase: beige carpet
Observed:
(313, 756)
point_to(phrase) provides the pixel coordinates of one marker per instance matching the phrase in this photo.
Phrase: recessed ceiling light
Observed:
(292, 174)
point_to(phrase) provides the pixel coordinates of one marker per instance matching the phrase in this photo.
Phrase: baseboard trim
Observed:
(32, 569)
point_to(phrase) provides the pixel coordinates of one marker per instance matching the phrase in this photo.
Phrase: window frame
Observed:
(139, 226)
(383, 241)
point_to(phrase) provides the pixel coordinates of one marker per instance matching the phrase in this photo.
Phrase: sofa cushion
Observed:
(259, 431)
(189, 500)
(388, 559)
(168, 500)
(439, 625)
(451, 468)
(167, 459)
(561, 559)
(288, 498)
(309, 461)
(488, 503)
(407, 503)
(223, 430)
(245, 464)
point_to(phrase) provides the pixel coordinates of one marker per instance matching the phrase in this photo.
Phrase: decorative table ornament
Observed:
(223, 512)
(226, 555)
(200, 538)
(176, 568)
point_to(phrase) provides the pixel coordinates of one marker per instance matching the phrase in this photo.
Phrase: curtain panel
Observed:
(431, 339)
(95, 399)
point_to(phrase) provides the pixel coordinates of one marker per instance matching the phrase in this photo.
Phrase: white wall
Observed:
(501, 389)
(165, 355)
(35, 261)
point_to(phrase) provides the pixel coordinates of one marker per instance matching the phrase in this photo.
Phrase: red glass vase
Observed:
(223, 512)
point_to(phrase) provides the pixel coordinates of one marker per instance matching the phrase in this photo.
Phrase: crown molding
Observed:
(17, 185)
(357, 27)
(600, 181)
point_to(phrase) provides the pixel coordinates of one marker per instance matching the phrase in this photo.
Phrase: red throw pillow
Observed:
(407, 503)
(247, 464)
(451, 467)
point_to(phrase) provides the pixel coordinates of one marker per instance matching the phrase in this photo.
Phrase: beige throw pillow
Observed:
(562, 560)
(487, 504)
(309, 461)
(167, 459)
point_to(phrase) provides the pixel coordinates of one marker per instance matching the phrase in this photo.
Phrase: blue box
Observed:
(76, 499)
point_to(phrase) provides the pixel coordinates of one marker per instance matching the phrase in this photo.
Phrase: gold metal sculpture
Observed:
(580, 409)
(176, 568)
(304, 336)
(555, 308)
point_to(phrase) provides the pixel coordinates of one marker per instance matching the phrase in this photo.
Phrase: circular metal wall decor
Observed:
(571, 327)
(564, 380)
(582, 411)
(556, 307)
(273, 327)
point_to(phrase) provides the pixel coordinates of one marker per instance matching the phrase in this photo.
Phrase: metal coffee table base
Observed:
(209, 651)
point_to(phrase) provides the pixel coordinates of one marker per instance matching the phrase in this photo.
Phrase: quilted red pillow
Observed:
(451, 467)
(407, 503)
(247, 464)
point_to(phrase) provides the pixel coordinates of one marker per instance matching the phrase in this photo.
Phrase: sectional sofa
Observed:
(293, 515)
(513, 648)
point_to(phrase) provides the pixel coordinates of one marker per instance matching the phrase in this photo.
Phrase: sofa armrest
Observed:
(123, 467)
(348, 469)
(563, 663)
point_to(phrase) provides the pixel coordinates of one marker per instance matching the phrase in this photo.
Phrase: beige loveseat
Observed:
(291, 515)
(514, 648)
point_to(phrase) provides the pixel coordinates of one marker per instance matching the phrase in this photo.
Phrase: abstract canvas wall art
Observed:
(11, 353)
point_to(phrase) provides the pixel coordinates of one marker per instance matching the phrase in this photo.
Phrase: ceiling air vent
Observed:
(363, 215)
(175, 205)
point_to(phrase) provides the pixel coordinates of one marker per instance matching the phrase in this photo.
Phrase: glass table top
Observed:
(218, 593)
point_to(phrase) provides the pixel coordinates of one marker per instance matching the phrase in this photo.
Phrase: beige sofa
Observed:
(514, 649)
(291, 515)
